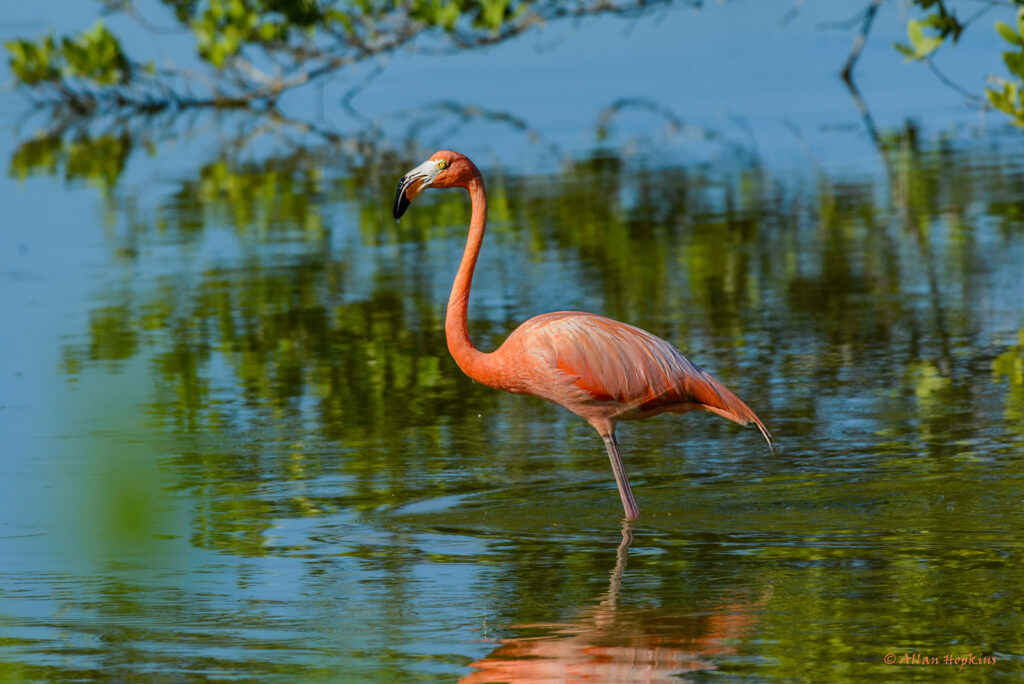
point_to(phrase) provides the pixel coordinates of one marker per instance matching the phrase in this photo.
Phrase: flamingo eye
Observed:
(441, 164)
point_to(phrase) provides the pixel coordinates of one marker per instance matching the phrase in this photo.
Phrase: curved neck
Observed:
(456, 324)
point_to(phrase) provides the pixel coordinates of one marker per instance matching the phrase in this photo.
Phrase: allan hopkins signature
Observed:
(948, 659)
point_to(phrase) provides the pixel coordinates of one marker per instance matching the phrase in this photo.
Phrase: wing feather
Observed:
(613, 361)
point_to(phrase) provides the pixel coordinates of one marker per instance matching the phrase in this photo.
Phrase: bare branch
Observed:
(858, 43)
(127, 8)
(972, 99)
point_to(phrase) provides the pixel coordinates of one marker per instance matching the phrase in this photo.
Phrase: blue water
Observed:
(233, 445)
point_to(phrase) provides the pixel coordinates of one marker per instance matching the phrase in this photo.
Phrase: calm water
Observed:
(234, 445)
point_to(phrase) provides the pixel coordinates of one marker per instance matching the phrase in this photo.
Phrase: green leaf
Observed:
(1008, 34)
(998, 100)
(1015, 63)
(94, 55)
(35, 63)
(267, 32)
(945, 23)
(928, 46)
(923, 45)
(492, 13)
(342, 18)
(16, 48)
(915, 32)
(448, 16)
(215, 55)
(906, 51)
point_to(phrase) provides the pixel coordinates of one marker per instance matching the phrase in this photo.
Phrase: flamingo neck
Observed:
(456, 324)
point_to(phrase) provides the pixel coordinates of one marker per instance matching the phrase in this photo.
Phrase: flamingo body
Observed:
(604, 371)
(598, 368)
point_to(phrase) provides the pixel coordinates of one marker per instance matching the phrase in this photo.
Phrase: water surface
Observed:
(235, 446)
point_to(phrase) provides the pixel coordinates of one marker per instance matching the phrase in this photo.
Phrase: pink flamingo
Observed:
(598, 368)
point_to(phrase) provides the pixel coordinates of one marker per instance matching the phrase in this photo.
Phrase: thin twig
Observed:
(858, 43)
(793, 12)
(973, 100)
(842, 25)
(126, 7)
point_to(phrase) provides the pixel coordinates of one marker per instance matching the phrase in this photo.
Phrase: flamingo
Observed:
(600, 369)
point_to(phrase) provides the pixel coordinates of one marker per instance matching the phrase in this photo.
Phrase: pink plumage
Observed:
(602, 370)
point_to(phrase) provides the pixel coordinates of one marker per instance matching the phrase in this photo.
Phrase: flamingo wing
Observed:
(612, 362)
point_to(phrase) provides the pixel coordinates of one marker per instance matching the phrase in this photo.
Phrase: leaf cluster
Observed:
(482, 14)
(93, 56)
(253, 51)
(1010, 98)
(928, 34)
(941, 21)
(98, 160)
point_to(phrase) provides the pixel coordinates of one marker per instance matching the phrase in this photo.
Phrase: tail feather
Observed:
(753, 419)
(724, 402)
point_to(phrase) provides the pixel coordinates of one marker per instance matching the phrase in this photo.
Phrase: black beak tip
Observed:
(401, 204)
(401, 201)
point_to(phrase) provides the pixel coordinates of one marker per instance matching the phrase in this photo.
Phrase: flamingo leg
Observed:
(628, 503)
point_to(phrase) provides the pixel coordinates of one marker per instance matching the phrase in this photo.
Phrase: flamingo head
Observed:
(444, 169)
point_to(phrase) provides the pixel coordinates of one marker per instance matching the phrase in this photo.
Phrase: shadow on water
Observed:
(318, 489)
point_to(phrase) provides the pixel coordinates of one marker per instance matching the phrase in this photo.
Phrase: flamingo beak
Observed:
(411, 185)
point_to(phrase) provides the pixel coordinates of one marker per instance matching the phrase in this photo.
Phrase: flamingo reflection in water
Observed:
(598, 368)
(609, 644)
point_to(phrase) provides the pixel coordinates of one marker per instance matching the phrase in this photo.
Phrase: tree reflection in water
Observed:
(288, 337)
(329, 311)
